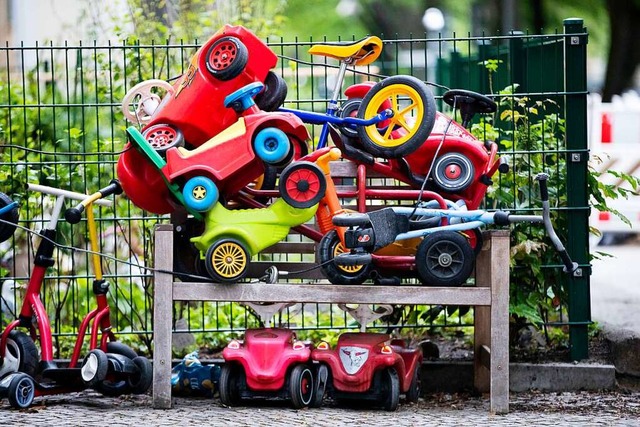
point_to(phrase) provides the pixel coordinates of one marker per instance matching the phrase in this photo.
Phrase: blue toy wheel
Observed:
(200, 193)
(242, 98)
(272, 145)
(22, 390)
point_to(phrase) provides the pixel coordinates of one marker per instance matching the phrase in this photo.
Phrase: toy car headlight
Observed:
(323, 346)
(386, 349)
(234, 345)
(298, 345)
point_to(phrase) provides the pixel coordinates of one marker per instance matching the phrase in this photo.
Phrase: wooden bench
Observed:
(490, 297)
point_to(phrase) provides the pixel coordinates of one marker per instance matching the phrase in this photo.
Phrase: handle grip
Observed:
(74, 215)
(542, 179)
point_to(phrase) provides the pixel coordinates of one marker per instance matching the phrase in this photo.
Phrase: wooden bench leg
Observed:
(162, 315)
(491, 331)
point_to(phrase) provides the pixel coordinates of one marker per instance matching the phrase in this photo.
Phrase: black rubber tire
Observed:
(239, 249)
(162, 136)
(9, 218)
(301, 386)
(319, 386)
(413, 393)
(349, 108)
(120, 386)
(141, 381)
(457, 184)
(419, 134)
(390, 389)
(329, 244)
(235, 67)
(22, 347)
(273, 94)
(21, 391)
(294, 193)
(118, 347)
(101, 368)
(228, 384)
(444, 258)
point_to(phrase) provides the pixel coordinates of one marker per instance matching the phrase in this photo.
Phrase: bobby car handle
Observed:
(74, 215)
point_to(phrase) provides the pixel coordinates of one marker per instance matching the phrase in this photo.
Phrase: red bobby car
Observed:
(269, 363)
(367, 366)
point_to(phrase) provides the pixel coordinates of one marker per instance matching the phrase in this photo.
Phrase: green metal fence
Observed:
(61, 125)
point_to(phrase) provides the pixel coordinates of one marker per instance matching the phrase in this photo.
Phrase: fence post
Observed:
(575, 80)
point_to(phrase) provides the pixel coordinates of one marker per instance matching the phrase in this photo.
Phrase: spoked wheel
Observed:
(117, 387)
(161, 137)
(200, 193)
(302, 184)
(453, 172)
(413, 394)
(273, 94)
(301, 386)
(22, 390)
(444, 258)
(414, 112)
(226, 58)
(94, 368)
(329, 248)
(9, 218)
(319, 386)
(229, 384)
(227, 260)
(21, 354)
(390, 389)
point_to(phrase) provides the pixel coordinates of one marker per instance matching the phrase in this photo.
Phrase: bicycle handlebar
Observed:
(64, 193)
(74, 215)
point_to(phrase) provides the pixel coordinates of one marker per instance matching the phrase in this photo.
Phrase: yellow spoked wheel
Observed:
(329, 247)
(227, 260)
(413, 117)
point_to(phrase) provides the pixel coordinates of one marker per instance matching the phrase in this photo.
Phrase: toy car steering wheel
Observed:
(469, 103)
(242, 99)
(139, 104)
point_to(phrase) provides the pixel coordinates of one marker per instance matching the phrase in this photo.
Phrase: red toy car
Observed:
(269, 363)
(367, 366)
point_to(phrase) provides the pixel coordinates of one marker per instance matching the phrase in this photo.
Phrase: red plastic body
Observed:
(266, 354)
(358, 356)
(197, 105)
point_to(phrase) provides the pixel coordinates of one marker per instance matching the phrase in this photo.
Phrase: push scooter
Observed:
(110, 367)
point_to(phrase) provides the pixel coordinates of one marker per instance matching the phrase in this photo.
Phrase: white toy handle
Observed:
(139, 104)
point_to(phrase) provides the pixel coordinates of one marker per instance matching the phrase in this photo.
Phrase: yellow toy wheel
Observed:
(329, 247)
(414, 112)
(227, 260)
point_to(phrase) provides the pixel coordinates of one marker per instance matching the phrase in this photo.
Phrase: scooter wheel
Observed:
(301, 386)
(302, 184)
(22, 390)
(319, 386)
(200, 193)
(141, 381)
(444, 258)
(272, 145)
(329, 248)
(226, 58)
(229, 384)
(227, 260)
(414, 113)
(390, 389)
(9, 218)
(162, 136)
(94, 368)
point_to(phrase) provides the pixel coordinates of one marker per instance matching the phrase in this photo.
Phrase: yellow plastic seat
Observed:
(361, 52)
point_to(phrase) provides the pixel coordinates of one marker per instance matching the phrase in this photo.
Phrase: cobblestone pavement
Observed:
(535, 409)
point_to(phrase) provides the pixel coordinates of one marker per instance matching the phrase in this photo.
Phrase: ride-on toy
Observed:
(269, 363)
(110, 367)
(369, 366)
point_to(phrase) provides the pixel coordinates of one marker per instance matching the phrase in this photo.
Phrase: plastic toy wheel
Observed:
(301, 386)
(328, 249)
(302, 184)
(141, 380)
(390, 389)
(453, 172)
(271, 145)
(413, 394)
(273, 94)
(9, 218)
(161, 137)
(226, 58)
(200, 193)
(229, 384)
(21, 391)
(319, 386)
(227, 260)
(414, 115)
(444, 258)
(349, 108)
(94, 368)
(21, 354)
(118, 387)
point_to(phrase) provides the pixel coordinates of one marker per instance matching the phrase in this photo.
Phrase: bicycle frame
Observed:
(32, 304)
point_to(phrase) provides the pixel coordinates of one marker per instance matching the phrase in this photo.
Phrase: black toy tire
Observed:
(291, 185)
(349, 108)
(453, 184)
(121, 386)
(228, 384)
(101, 368)
(338, 275)
(444, 258)
(141, 381)
(22, 347)
(273, 94)
(319, 386)
(390, 389)
(223, 68)
(239, 262)
(301, 386)
(413, 394)
(21, 391)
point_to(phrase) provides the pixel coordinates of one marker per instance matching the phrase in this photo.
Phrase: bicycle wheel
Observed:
(414, 112)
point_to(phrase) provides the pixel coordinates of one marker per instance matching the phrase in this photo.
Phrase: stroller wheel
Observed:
(444, 258)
